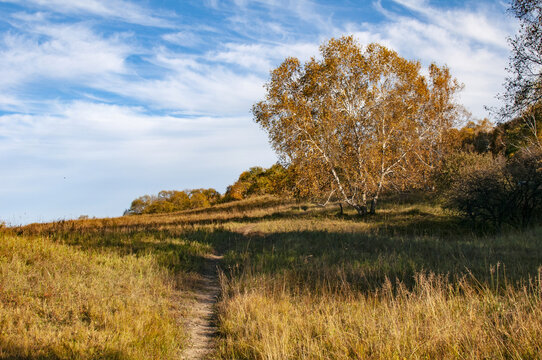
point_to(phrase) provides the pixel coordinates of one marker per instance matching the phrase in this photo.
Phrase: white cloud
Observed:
(9, 102)
(214, 91)
(262, 58)
(484, 24)
(83, 131)
(279, 19)
(191, 85)
(126, 11)
(183, 38)
(59, 51)
(221, 82)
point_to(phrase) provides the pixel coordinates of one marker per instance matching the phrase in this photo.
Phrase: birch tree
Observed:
(357, 121)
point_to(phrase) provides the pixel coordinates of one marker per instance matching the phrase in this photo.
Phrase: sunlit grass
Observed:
(435, 319)
(298, 282)
(410, 282)
(60, 302)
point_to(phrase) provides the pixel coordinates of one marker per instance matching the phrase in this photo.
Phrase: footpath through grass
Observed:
(297, 283)
(95, 294)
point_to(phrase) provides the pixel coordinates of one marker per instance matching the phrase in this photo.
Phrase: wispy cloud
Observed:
(183, 38)
(93, 158)
(126, 11)
(278, 19)
(52, 52)
(209, 89)
(261, 58)
(485, 24)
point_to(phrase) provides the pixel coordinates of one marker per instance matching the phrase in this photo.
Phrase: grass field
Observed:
(298, 282)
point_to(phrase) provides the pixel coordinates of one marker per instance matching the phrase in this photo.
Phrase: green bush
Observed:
(494, 189)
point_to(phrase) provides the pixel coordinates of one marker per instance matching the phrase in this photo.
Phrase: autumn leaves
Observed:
(358, 121)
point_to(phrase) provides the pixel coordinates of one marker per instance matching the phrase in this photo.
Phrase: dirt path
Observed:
(202, 325)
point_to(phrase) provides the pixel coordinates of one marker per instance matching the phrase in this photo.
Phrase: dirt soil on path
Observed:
(202, 324)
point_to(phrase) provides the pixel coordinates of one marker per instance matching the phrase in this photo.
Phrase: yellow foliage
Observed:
(359, 120)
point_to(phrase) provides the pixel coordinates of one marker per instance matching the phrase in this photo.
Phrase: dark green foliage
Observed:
(495, 189)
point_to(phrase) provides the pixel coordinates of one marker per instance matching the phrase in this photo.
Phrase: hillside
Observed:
(296, 282)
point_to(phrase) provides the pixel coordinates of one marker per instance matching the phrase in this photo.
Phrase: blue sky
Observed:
(102, 101)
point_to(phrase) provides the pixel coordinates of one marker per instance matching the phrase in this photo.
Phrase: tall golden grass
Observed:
(298, 282)
(59, 302)
(412, 282)
(435, 319)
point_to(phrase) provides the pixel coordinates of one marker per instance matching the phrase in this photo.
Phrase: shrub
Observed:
(495, 190)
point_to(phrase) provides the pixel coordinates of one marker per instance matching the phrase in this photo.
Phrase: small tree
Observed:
(357, 121)
(524, 86)
(180, 200)
(139, 205)
(198, 199)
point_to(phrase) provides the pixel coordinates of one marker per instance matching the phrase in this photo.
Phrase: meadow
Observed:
(297, 282)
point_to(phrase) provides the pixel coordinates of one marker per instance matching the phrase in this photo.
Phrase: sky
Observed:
(102, 101)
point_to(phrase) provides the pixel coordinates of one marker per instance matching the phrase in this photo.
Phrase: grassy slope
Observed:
(410, 282)
(94, 294)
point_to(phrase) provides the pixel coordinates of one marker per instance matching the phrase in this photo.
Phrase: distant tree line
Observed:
(276, 180)
(173, 200)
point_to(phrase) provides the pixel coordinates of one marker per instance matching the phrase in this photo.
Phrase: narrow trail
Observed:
(202, 324)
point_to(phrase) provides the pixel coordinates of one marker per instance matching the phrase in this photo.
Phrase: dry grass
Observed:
(58, 302)
(411, 282)
(298, 282)
(435, 319)
(253, 209)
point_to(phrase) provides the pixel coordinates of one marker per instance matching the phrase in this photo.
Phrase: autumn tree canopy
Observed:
(357, 120)
(275, 180)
